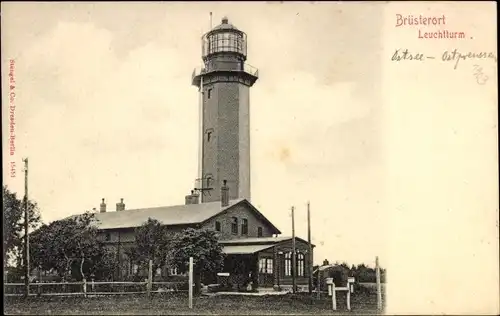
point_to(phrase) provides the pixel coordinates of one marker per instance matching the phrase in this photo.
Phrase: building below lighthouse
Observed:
(220, 201)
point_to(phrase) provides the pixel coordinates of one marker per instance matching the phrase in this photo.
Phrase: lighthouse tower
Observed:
(224, 83)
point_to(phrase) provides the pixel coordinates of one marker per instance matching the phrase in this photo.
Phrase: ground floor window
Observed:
(266, 265)
(300, 264)
(288, 264)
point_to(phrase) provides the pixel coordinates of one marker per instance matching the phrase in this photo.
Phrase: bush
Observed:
(339, 275)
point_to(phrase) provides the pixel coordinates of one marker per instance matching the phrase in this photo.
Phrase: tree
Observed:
(203, 246)
(63, 243)
(13, 225)
(151, 243)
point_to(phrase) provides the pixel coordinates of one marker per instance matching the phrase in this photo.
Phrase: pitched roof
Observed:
(259, 241)
(168, 215)
(244, 249)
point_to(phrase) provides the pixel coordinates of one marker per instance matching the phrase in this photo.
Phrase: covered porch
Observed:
(264, 264)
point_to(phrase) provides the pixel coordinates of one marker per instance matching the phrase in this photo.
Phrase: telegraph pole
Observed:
(26, 236)
(294, 254)
(379, 290)
(310, 248)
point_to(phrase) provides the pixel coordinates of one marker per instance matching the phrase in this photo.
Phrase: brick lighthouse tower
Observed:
(224, 83)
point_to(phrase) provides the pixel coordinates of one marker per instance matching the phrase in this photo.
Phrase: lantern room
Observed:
(224, 39)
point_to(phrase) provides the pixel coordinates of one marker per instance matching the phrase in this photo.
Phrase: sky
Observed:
(105, 109)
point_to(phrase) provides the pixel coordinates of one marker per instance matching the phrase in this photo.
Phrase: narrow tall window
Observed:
(108, 236)
(300, 264)
(217, 226)
(288, 264)
(259, 231)
(244, 226)
(209, 94)
(234, 225)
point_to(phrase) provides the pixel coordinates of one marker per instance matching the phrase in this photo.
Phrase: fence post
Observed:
(350, 289)
(379, 290)
(39, 293)
(84, 287)
(334, 298)
(348, 297)
(190, 282)
(92, 285)
(150, 278)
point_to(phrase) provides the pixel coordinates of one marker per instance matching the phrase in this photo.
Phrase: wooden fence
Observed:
(93, 288)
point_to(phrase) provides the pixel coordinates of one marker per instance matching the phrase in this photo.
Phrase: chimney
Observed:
(193, 198)
(120, 206)
(103, 206)
(224, 194)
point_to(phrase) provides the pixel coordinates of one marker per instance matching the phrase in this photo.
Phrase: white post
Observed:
(93, 285)
(150, 277)
(190, 282)
(334, 299)
(348, 298)
(379, 290)
(84, 287)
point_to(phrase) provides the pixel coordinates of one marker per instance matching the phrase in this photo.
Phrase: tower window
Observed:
(217, 226)
(259, 231)
(209, 94)
(244, 226)
(234, 225)
(207, 182)
(209, 133)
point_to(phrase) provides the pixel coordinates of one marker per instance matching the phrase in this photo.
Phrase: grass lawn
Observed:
(177, 304)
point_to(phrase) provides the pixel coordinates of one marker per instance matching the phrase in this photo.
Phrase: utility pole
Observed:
(294, 254)
(310, 248)
(26, 236)
(379, 290)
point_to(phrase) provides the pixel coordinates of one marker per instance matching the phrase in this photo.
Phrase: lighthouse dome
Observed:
(225, 25)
